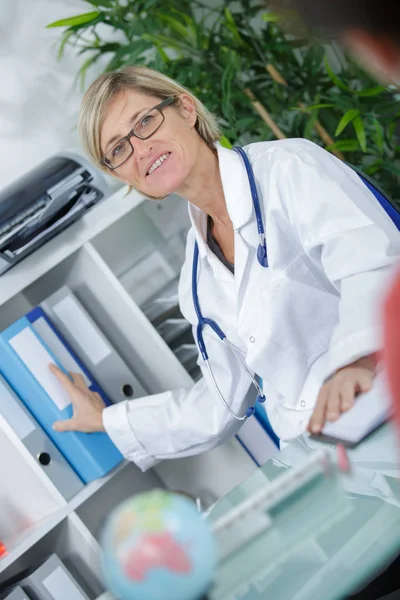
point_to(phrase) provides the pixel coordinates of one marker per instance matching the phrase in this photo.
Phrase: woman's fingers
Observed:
(79, 381)
(365, 381)
(333, 406)
(318, 417)
(62, 378)
(67, 425)
(347, 396)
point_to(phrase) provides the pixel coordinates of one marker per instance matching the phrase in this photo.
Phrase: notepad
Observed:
(369, 412)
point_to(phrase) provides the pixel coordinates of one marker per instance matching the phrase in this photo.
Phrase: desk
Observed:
(326, 540)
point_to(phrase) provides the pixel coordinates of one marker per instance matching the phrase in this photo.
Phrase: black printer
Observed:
(45, 201)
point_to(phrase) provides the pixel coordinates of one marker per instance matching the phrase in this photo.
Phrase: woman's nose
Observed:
(142, 148)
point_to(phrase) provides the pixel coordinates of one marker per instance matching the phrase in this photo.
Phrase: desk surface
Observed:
(325, 541)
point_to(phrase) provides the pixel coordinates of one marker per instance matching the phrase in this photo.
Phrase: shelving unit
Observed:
(117, 260)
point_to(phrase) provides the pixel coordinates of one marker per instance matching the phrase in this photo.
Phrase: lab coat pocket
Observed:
(300, 313)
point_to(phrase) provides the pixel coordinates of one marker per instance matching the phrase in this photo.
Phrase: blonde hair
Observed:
(142, 79)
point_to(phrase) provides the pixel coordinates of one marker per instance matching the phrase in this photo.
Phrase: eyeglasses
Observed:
(143, 129)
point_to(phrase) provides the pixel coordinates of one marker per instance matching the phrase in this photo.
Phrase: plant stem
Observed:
(264, 114)
(320, 129)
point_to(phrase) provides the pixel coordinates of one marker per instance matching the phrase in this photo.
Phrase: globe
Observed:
(156, 546)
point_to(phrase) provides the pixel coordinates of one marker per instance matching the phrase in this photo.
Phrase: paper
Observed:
(15, 416)
(82, 330)
(37, 359)
(62, 587)
(58, 348)
(369, 411)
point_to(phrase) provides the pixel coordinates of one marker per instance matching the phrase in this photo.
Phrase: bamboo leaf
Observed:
(63, 43)
(231, 25)
(360, 132)
(176, 26)
(164, 41)
(379, 138)
(375, 91)
(101, 3)
(82, 71)
(318, 106)
(392, 168)
(226, 83)
(310, 125)
(372, 169)
(77, 20)
(347, 118)
(225, 142)
(334, 77)
(270, 17)
(162, 53)
(348, 145)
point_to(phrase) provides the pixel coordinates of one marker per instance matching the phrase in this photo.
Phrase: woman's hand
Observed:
(87, 405)
(337, 395)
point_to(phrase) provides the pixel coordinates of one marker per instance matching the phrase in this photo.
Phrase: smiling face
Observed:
(161, 164)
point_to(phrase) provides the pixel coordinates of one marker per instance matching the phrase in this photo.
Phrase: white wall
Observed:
(38, 101)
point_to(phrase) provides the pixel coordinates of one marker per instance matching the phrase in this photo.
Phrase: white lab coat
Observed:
(313, 310)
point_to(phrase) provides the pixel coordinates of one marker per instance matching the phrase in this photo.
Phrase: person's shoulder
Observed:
(279, 152)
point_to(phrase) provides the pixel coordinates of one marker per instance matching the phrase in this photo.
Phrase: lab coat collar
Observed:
(237, 196)
(236, 187)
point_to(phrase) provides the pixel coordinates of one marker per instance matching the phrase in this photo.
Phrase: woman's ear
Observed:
(187, 109)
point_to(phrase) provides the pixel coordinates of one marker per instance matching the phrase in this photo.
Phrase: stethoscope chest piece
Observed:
(262, 254)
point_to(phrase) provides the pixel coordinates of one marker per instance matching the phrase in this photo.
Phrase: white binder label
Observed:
(37, 359)
(15, 416)
(82, 329)
(58, 348)
(61, 587)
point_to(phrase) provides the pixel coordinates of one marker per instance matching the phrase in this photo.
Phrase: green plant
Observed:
(236, 57)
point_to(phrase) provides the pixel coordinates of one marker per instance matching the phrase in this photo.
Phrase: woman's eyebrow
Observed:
(132, 121)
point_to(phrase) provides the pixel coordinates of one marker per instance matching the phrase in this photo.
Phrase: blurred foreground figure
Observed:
(370, 29)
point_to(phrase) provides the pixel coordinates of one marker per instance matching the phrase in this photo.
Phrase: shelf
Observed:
(173, 328)
(93, 487)
(73, 544)
(27, 539)
(116, 260)
(125, 483)
(67, 242)
(164, 303)
(187, 354)
(19, 473)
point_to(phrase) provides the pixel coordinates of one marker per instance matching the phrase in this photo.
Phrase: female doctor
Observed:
(286, 260)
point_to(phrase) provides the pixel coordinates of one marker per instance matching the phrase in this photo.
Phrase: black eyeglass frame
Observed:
(167, 102)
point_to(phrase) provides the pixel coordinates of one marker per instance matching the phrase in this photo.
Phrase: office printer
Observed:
(45, 201)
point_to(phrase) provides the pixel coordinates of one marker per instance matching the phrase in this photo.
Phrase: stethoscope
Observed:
(203, 321)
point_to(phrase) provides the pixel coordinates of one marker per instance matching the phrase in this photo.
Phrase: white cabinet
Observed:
(118, 260)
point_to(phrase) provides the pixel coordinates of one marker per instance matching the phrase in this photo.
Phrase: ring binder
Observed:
(24, 362)
(92, 347)
(38, 443)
